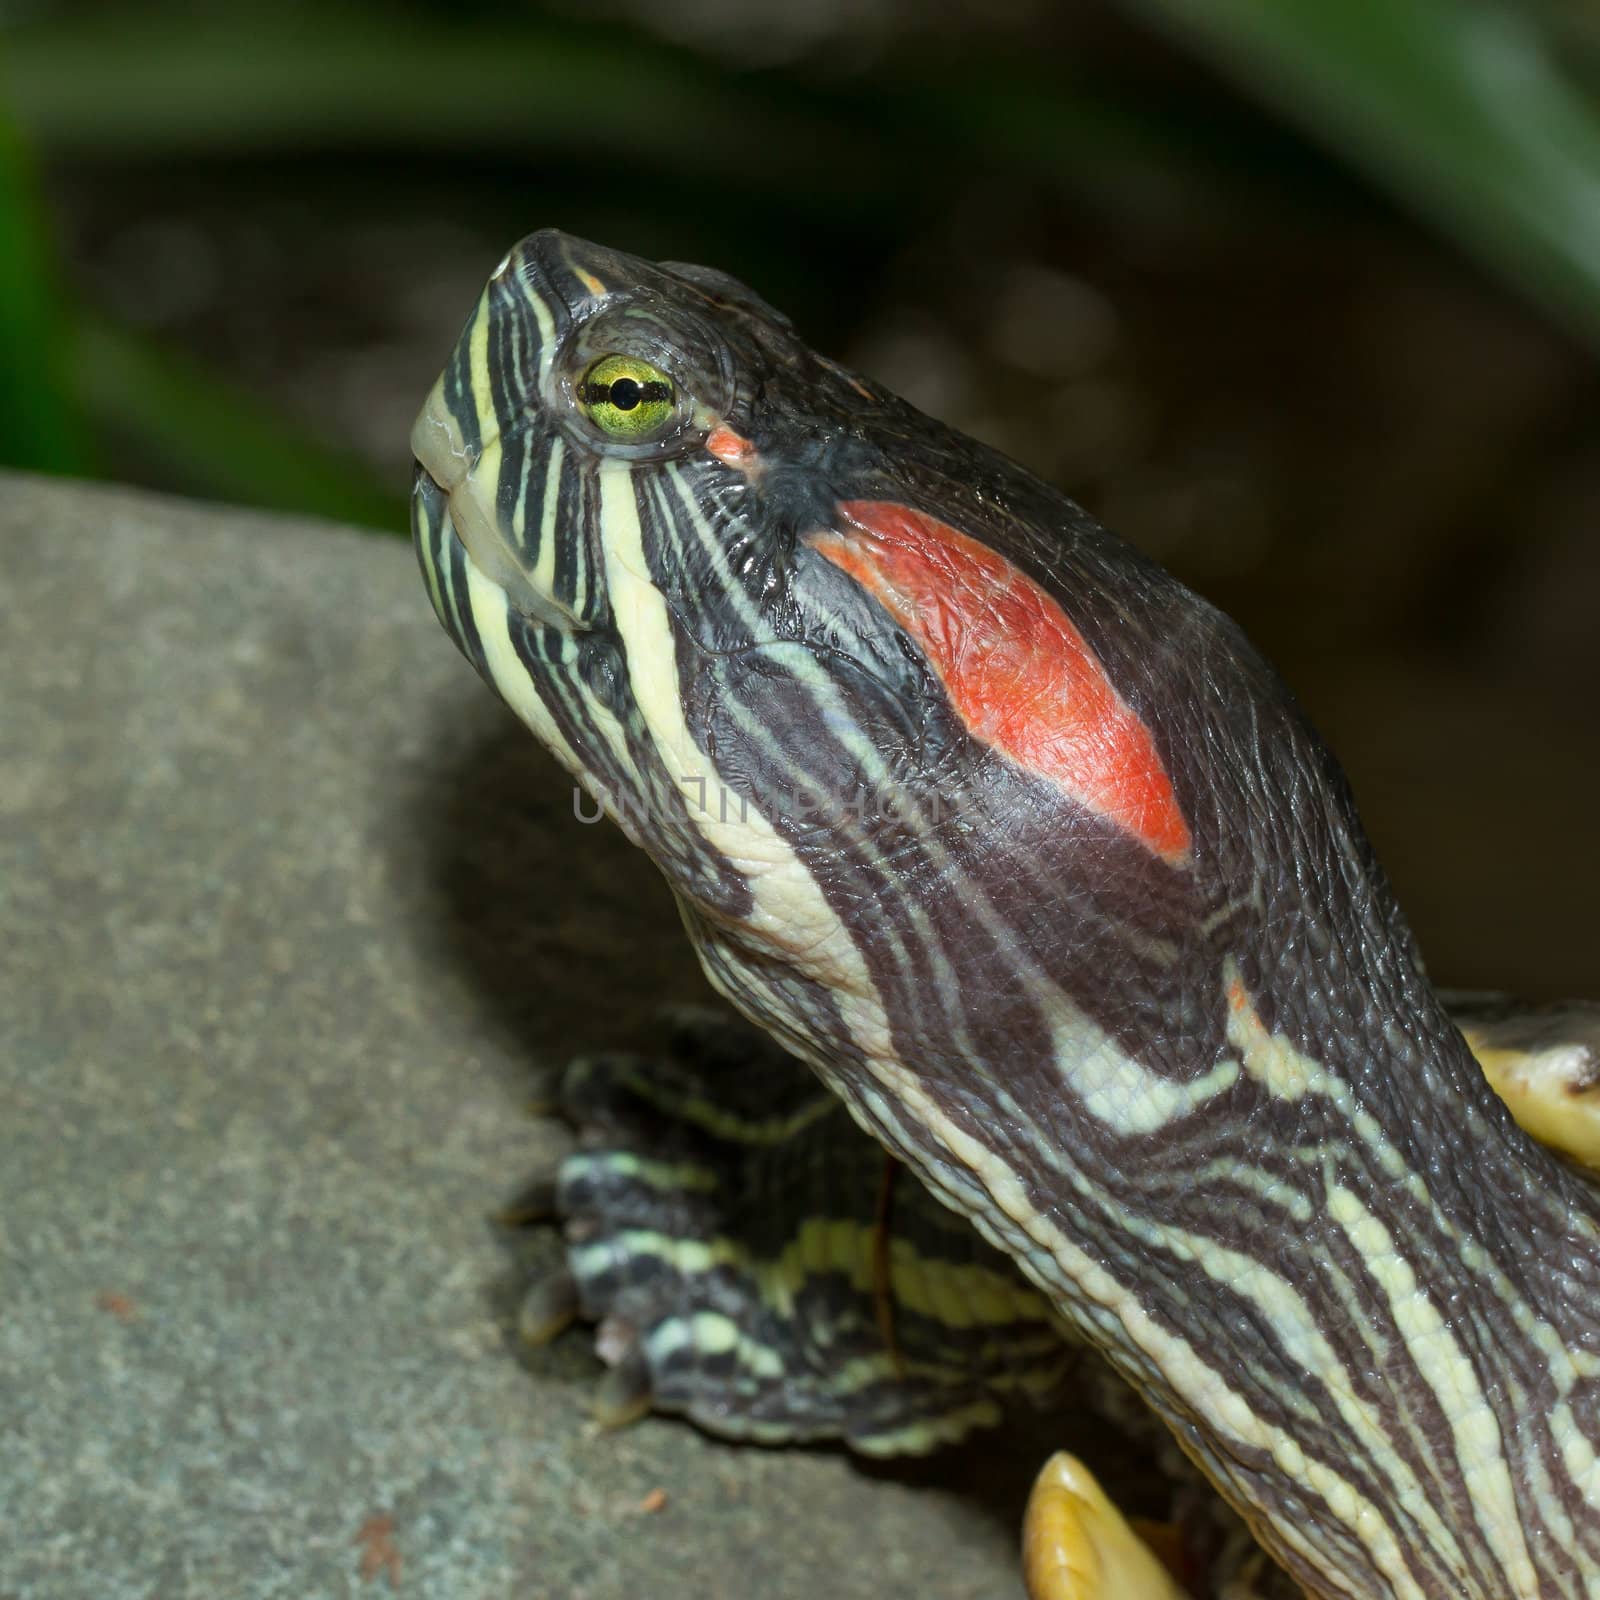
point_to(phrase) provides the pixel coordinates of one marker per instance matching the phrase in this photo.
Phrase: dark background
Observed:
(1301, 296)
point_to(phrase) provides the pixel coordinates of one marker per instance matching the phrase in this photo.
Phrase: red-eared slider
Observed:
(1025, 852)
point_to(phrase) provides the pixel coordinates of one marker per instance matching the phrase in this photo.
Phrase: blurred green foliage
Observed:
(38, 421)
(1462, 108)
(1465, 111)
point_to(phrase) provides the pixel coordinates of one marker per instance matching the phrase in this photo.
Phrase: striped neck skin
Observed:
(1025, 850)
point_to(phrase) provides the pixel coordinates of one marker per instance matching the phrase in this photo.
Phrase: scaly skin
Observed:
(1027, 853)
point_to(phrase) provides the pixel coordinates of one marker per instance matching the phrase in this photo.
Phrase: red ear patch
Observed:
(1018, 673)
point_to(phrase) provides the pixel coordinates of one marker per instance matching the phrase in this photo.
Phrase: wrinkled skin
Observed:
(1022, 847)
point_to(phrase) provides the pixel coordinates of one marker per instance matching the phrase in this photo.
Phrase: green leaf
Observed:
(1459, 107)
(151, 84)
(38, 428)
(881, 148)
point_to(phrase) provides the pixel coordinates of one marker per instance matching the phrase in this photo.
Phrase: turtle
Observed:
(1081, 1051)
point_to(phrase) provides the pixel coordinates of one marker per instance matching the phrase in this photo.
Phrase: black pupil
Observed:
(627, 394)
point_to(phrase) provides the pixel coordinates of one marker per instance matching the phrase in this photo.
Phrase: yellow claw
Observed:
(1076, 1545)
(1550, 1091)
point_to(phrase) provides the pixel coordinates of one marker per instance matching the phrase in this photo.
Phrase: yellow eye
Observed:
(626, 397)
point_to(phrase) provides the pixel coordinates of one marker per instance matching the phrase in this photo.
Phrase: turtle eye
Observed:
(626, 398)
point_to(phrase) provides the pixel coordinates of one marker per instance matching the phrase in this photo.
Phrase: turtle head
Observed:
(723, 577)
(616, 471)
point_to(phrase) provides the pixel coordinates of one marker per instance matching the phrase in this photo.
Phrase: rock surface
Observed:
(291, 915)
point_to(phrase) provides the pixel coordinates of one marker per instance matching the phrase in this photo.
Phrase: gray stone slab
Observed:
(290, 917)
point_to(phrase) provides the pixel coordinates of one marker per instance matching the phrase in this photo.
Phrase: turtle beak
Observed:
(470, 486)
(472, 422)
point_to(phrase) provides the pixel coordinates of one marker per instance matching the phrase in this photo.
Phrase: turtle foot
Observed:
(752, 1261)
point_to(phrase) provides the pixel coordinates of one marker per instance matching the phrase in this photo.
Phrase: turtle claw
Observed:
(549, 1308)
(1076, 1544)
(547, 1100)
(626, 1393)
(535, 1204)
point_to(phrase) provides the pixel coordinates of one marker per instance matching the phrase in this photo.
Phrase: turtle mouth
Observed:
(475, 523)
(489, 555)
